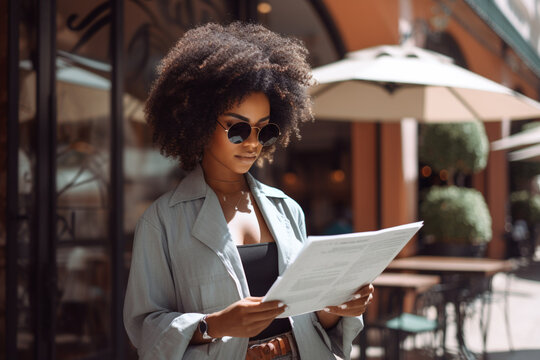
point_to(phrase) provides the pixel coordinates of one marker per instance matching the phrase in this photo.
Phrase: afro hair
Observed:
(213, 67)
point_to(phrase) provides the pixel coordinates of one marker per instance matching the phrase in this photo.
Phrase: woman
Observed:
(205, 253)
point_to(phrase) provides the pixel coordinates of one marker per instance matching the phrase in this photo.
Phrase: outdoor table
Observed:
(465, 271)
(401, 284)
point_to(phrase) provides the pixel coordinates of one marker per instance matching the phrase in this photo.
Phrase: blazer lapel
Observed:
(211, 228)
(278, 224)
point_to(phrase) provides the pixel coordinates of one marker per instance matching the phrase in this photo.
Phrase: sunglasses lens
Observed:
(268, 134)
(239, 132)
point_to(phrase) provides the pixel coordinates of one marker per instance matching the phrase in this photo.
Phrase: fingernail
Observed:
(343, 306)
(326, 309)
(280, 304)
(357, 296)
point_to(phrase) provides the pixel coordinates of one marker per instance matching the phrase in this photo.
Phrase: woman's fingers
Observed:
(264, 314)
(357, 305)
(246, 317)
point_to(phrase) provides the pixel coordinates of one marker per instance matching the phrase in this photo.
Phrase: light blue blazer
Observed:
(185, 264)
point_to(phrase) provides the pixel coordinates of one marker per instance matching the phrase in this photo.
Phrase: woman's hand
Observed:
(355, 307)
(244, 318)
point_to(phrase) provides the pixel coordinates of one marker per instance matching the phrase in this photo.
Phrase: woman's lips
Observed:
(247, 158)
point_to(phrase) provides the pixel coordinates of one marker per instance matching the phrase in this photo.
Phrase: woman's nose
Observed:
(253, 138)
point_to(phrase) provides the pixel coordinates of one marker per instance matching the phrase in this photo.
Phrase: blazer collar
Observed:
(193, 187)
(211, 228)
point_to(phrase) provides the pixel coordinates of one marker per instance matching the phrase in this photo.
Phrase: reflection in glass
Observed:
(151, 29)
(25, 178)
(83, 145)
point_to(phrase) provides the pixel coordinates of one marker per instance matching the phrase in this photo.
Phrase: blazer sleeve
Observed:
(152, 323)
(343, 334)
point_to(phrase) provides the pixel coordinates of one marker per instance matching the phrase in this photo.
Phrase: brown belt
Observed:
(271, 349)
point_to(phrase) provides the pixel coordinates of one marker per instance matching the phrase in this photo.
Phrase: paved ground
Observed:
(524, 320)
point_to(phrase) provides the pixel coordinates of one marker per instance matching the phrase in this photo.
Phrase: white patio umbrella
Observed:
(531, 153)
(523, 138)
(527, 142)
(387, 83)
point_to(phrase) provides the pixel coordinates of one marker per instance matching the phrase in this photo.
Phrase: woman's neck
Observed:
(226, 184)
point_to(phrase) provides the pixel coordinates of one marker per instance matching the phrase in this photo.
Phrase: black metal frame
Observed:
(43, 221)
(12, 181)
(326, 18)
(117, 179)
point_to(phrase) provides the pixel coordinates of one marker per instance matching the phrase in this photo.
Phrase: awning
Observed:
(499, 22)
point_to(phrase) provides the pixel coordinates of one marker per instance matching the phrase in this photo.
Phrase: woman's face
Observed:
(223, 157)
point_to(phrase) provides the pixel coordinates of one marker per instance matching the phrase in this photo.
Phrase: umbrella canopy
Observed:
(522, 141)
(388, 83)
(531, 153)
(523, 138)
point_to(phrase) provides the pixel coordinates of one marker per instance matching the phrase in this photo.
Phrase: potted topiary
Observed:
(457, 221)
(459, 148)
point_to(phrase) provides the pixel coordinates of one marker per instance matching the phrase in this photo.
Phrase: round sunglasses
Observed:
(240, 132)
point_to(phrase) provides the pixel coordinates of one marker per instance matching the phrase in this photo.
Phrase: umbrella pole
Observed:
(378, 173)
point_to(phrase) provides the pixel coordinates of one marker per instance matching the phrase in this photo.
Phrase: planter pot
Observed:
(461, 250)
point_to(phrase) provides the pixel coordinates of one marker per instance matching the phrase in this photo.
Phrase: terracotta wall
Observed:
(365, 23)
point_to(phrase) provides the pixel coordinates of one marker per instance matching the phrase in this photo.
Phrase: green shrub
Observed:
(459, 147)
(525, 206)
(456, 215)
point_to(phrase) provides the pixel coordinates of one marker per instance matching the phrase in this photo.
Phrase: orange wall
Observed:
(364, 175)
(365, 23)
(497, 193)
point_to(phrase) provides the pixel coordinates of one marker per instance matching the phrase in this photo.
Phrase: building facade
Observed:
(77, 167)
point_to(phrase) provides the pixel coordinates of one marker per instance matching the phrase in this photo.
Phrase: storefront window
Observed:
(79, 247)
(83, 93)
(26, 178)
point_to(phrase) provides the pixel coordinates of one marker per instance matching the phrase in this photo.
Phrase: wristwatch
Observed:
(203, 328)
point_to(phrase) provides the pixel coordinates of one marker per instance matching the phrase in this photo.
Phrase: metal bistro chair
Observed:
(477, 297)
(428, 317)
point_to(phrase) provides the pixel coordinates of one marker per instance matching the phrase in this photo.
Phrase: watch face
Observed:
(203, 328)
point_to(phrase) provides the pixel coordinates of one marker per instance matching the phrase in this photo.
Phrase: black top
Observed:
(260, 262)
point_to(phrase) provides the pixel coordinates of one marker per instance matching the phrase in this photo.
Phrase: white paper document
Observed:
(329, 269)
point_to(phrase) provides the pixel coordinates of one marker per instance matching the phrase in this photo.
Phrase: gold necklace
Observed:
(235, 206)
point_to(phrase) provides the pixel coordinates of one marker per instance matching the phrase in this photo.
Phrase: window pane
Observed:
(26, 175)
(83, 178)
